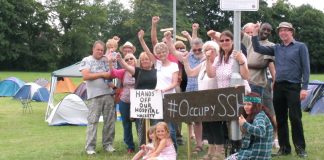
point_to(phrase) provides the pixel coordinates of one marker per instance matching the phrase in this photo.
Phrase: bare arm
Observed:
(244, 71)
(171, 47)
(211, 70)
(191, 72)
(129, 68)
(87, 75)
(214, 36)
(144, 46)
(154, 39)
(187, 35)
(272, 69)
(159, 148)
(195, 28)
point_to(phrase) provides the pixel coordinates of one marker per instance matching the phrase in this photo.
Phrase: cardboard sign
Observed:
(146, 104)
(208, 105)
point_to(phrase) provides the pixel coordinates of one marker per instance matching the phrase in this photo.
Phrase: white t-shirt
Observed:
(164, 75)
(204, 82)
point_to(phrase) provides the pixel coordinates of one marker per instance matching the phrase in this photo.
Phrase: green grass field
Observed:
(27, 136)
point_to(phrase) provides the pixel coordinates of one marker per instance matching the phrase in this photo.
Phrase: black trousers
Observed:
(286, 100)
(215, 132)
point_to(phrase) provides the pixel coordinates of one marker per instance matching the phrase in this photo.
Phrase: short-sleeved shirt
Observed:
(96, 87)
(192, 82)
(164, 75)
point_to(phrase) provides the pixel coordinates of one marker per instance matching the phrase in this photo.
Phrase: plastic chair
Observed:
(26, 105)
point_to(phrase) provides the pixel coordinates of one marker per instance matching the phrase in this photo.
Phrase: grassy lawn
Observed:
(27, 136)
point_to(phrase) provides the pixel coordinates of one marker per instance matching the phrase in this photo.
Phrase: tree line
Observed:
(37, 36)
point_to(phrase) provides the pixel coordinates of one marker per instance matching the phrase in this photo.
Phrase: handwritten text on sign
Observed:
(208, 105)
(146, 104)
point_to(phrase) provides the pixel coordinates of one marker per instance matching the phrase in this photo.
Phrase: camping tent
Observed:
(42, 82)
(32, 91)
(314, 101)
(81, 91)
(10, 86)
(64, 85)
(70, 71)
(71, 110)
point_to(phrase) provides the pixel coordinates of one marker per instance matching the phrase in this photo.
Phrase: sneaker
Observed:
(275, 144)
(91, 152)
(301, 152)
(110, 148)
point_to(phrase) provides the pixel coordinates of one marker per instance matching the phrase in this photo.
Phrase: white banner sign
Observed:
(239, 5)
(146, 104)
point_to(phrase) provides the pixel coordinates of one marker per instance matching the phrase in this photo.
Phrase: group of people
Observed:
(267, 69)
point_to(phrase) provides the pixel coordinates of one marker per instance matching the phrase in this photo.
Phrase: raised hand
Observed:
(185, 33)
(211, 33)
(140, 34)
(195, 26)
(155, 19)
(116, 38)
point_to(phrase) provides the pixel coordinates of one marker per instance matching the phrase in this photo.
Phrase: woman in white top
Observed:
(166, 71)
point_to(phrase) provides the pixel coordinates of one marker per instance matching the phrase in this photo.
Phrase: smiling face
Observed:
(285, 34)
(265, 31)
(248, 107)
(161, 51)
(145, 61)
(130, 59)
(161, 132)
(226, 43)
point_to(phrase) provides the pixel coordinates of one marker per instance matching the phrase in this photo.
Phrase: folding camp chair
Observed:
(26, 105)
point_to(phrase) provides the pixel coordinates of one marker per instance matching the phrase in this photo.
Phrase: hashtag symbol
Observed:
(172, 108)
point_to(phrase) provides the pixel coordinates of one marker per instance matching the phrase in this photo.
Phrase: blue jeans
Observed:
(257, 89)
(127, 124)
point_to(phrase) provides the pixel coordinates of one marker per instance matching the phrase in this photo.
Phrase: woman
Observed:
(221, 70)
(257, 127)
(128, 82)
(167, 73)
(145, 78)
(212, 129)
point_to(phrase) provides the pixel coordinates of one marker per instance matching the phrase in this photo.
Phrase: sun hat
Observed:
(129, 45)
(285, 25)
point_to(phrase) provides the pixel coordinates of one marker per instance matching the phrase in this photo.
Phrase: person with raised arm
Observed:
(290, 86)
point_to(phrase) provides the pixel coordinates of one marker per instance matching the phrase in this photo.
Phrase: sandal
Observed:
(197, 149)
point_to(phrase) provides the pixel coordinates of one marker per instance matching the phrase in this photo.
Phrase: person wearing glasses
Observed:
(290, 86)
(128, 82)
(213, 130)
(221, 70)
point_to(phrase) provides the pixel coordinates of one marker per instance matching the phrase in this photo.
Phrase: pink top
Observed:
(224, 72)
(128, 83)
(168, 153)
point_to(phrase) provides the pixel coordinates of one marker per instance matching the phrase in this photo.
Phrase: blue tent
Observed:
(33, 91)
(10, 86)
(318, 107)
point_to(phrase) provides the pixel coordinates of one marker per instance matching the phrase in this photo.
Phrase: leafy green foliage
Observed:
(42, 37)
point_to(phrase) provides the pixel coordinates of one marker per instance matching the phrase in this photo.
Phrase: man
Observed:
(95, 71)
(127, 48)
(292, 77)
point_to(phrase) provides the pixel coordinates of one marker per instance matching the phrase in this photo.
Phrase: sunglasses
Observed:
(179, 48)
(129, 59)
(197, 50)
(224, 40)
